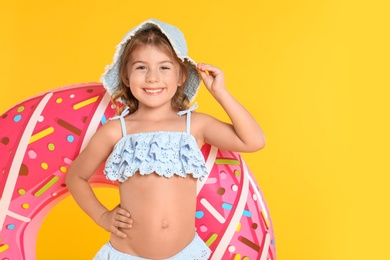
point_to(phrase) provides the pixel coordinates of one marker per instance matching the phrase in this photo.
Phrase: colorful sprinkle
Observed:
(20, 109)
(211, 180)
(47, 186)
(3, 247)
(265, 219)
(227, 161)
(85, 103)
(41, 134)
(237, 257)
(44, 166)
(59, 100)
(17, 118)
(69, 126)
(203, 228)
(23, 171)
(63, 169)
(234, 187)
(70, 138)
(72, 96)
(238, 227)
(5, 140)
(227, 206)
(51, 147)
(32, 154)
(103, 120)
(247, 213)
(254, 197)
(237, 173)
(199, 214)
(22, 192)
(67, 161)
(25, 205)
(249, 243)
(221, 191)
(231, 249)
(211, 240)
(11, 226)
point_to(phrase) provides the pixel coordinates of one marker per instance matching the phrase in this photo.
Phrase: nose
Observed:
(152, 76)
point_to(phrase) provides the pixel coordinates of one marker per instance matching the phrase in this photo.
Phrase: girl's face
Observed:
(153, 76)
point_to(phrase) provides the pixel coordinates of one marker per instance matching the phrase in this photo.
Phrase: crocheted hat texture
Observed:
(110, 77)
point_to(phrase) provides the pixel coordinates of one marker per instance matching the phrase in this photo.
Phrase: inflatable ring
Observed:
(39, 139)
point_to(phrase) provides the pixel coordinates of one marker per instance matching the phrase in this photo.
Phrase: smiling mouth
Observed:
(153, 91)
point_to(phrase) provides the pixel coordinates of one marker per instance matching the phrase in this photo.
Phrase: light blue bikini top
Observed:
(162, 152)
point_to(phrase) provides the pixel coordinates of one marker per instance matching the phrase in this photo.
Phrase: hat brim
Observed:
(111, 80)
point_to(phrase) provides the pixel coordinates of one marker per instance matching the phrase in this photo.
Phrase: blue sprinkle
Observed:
(199, 214)
(103, 120)
(70, 138)
(11, 226)
(247, 213)
(227, 206)
(17, 118)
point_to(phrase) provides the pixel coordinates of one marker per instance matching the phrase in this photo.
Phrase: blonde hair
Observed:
(156, 38)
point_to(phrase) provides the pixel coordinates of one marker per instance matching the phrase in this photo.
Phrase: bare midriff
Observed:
(163, 213)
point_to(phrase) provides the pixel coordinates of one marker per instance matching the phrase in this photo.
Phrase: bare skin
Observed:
(156, 216)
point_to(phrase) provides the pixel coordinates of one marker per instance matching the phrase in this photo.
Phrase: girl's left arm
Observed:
(244, 134)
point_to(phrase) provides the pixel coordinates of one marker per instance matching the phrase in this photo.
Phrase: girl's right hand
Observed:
(115, 220)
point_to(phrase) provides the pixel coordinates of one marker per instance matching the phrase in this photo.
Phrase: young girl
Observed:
(153, 147)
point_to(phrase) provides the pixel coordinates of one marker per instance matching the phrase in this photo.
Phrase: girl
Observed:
(154, 153)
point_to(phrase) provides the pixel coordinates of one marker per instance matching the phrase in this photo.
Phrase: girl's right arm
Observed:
(82, 169)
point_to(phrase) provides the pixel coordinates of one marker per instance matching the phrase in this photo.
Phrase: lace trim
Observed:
(165, 153)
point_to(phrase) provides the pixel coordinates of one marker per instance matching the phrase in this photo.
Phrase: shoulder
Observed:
(108, 134)
(201, 119)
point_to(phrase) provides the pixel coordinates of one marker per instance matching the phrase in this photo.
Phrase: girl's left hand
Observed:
(212, 77)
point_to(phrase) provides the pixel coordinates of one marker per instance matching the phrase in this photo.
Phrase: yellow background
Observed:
(315, 74)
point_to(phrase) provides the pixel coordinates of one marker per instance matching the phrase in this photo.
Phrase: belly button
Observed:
(164, 224)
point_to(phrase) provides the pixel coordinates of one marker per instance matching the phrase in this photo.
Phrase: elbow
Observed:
(257, 144)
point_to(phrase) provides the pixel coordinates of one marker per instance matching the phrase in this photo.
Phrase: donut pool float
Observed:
(41, 136)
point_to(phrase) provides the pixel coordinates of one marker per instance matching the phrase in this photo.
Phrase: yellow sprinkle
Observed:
(41, 134)
(59, 100)
(44, 166)
(3, 248)
(25, 205)
(85, 103)
(238, 227)
(265, 218)
(63, 169)
(237, 257)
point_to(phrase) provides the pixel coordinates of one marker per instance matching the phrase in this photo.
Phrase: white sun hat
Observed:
(110, 77)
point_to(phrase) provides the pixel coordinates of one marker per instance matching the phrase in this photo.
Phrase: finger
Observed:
(119, 233)
(124, 223)
(123, 212)
(123, 218)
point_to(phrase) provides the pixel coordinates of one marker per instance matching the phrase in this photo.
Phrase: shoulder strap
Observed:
(121, 118)
(188, 113)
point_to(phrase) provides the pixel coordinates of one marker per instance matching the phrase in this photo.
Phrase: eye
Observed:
(140, 67)
(165, 68)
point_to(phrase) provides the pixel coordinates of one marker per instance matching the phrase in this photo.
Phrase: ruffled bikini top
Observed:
(164, 153)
